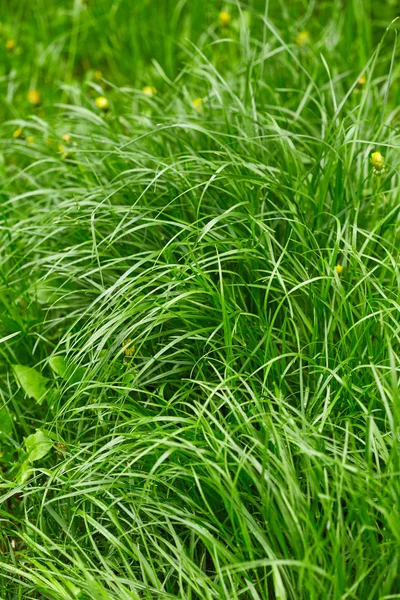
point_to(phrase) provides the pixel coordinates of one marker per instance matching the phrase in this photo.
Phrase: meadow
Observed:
(199, 300)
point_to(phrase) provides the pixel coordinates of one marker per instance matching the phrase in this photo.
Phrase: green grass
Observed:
(244, 444)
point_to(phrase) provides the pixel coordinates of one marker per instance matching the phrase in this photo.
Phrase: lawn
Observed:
(199, 300)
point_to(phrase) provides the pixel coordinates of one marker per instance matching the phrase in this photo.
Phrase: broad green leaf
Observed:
(5, 421)
(23, 472)
(50, 435)
(59, 365)
(37, 445)
(32, 382)
(128, 377)
(69, 371)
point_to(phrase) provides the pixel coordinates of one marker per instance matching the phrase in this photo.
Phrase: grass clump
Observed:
(200, 296)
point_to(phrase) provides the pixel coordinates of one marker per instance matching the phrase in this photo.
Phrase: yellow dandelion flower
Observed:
(67, 138)
(34, 97)
(18, 132)
(198, 104)
(362, 81)
(149, 91)
(10, 45)
(98, 75)
(102, 103)
(339, 269)
(224, 19)
(303, 38)
(30, 139)
(377, 161)
(128, 351)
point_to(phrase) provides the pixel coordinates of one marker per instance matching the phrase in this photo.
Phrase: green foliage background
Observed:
(194, 402)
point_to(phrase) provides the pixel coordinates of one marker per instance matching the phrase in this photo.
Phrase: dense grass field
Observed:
(199, 300)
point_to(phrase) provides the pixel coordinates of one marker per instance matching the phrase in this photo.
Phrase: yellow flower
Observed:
(30, 139)
(149, 90)
(362, 81)
(67, 138)
(62, 151)
(18, 132)
(98, 75)
(34, 97)
(377, 161)
(198, 104)
(102, 103)
(339, 269)
(128, 351)
(10, 45)
(224, 19)
(303, 38)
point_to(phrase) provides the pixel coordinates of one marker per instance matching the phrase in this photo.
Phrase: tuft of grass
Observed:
(199, 289)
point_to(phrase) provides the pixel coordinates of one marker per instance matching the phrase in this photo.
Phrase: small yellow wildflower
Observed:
(102, 103)
(34, 97)
(18, 132)
(149, 91)
(10, 45)
(303, 38)
(30, 139)
(67, 138)
(362, 81)
(61, 149)
(339, 269)
(128, 351)
(224, 19)
(198, 104)
(98, 75)
(377, 161)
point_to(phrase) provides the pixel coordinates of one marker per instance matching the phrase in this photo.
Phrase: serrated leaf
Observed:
(32, 382)
(38, 445)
